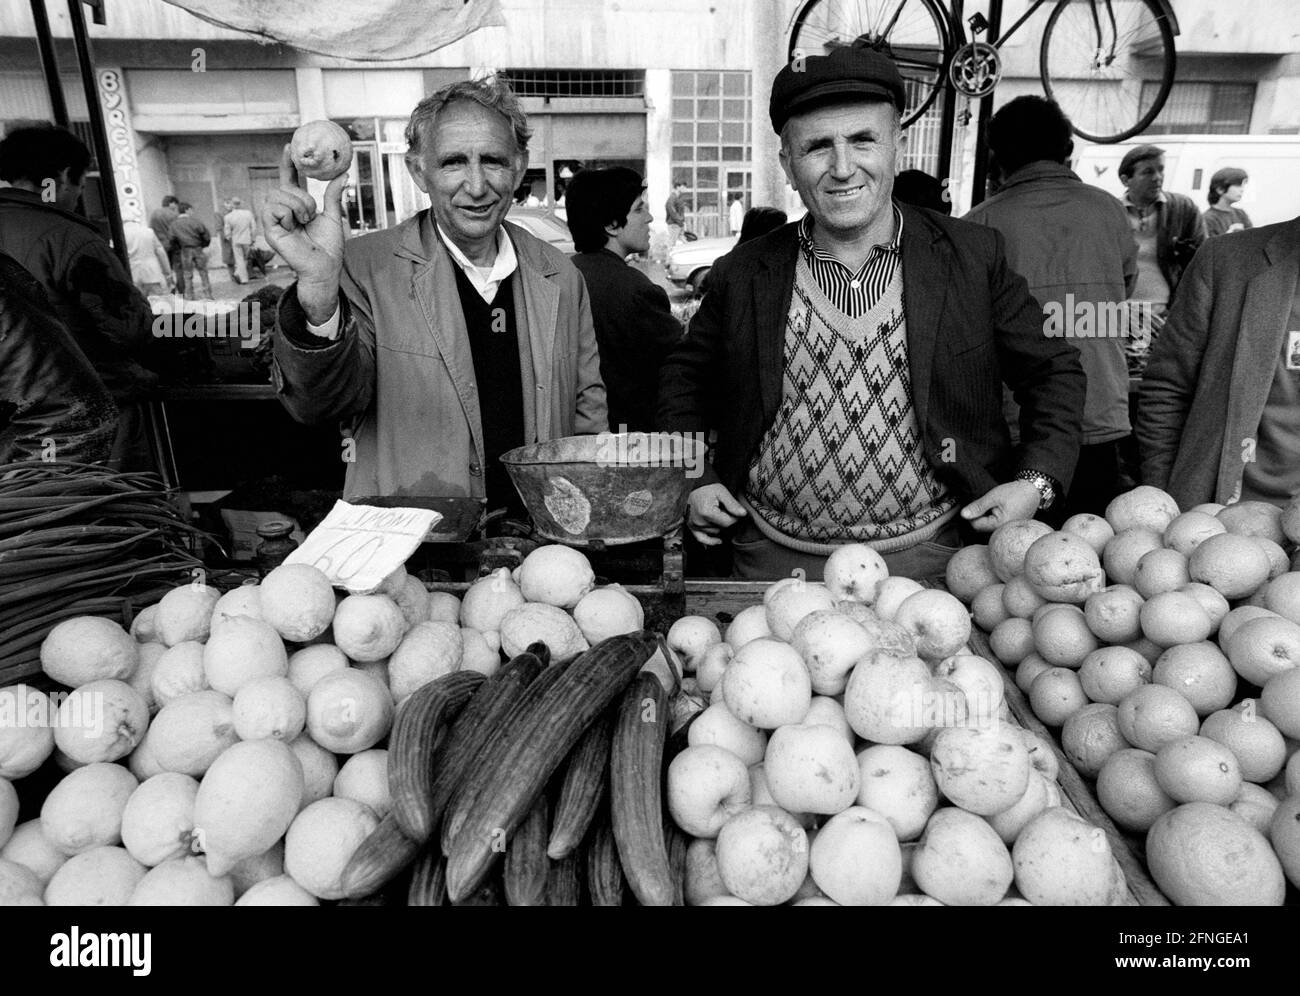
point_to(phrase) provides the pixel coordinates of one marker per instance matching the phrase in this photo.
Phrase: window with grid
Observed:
(1202, 108)
(712, 145)
(577, 82)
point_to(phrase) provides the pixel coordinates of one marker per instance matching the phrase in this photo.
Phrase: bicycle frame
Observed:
(1165, 5)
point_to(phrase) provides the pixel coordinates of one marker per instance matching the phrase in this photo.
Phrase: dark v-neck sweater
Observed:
(494, 346)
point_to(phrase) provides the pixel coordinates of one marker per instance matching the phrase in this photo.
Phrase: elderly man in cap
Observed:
(852, 362)
(449, 339)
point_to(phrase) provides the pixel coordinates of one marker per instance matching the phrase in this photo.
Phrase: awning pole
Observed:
(49, 63)
(98, 132)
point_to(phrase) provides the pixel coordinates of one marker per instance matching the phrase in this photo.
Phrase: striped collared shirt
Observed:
(853, 293)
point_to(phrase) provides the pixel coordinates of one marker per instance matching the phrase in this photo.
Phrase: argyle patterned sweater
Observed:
(843, 460)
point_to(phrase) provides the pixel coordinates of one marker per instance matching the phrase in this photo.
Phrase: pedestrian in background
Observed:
(675, 214)
(1225, 191)
(194, 238)
(160, 220)
(635, 327)
(240, 227)
(150, 267)
(736, 215)
(227, 250)
(1168, 230)
(920, 189)
(1071, 242)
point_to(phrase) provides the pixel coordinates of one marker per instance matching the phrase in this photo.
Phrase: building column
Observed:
(770, 43)
(658, 141)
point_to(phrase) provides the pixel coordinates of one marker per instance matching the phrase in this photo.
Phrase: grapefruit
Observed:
(1063, 639)
(986, 607)
(1190, 530)
(1154, 715)
(1282, 595)
(1255, 742)
(1113, 614)
(1009, 543)
(970, 571)
(1198, 769)
(1235, 566)
(1056, 695)
(1019, 598)
(1144, 507)
(1200, 673)
(1254, 518)
(1263, 647)
(1063, 568)
(1280, 701)
(1012, 640)
(1090, 736)
(1109, 674)
(1174, 617)
(1129, 792)
(1092, 529)
(1159, 571)
(1125, 549)
(1201, 854)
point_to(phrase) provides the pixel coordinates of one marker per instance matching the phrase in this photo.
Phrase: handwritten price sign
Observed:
(357, 546)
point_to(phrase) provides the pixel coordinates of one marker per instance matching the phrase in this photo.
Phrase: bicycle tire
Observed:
(1095, 114)
(919, 29)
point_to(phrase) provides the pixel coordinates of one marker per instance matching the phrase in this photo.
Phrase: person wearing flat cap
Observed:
(852, 362)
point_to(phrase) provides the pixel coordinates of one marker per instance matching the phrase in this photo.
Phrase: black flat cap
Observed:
(846, 74)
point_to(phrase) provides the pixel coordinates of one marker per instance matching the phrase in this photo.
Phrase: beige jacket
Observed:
(400, 373)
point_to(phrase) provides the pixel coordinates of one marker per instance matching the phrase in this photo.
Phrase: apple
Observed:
(961, 861)
(982, 769)
(711, 664)
(811, 769)
(792, 602)
(1040, 795)
(762, 855)
(825, 711)
(703, 881)
(830, 643)
(938, 622)
(979, 679)
(893, 591)
(707, 785)
(856, 860)
(884, 700)
(854, 572)
(1042, 755)
(761, 795)
(716, 725)
(897, 784)
(749, 624)
(767, 684)
(690, 636)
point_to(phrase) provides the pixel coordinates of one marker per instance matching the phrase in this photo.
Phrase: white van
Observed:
(1272, 162)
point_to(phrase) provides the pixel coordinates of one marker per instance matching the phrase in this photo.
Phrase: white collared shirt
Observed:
(486, 279)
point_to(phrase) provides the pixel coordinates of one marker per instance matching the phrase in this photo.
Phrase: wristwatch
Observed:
(1045, 485)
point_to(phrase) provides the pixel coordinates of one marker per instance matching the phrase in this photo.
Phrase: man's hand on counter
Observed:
(712, 509)
(1004, 503)
(310, 241)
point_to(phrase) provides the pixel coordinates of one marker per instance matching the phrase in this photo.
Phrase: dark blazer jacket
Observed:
(1210, 370)
(971, 326)
(635, 330)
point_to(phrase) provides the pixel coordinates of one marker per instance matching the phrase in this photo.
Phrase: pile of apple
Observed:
(1165, 647)
(854, 752)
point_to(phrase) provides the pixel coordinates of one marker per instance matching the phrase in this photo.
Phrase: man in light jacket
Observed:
(446, 340)
(1072, 244)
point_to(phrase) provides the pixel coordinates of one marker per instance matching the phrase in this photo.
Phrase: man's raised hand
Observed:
(310, 241)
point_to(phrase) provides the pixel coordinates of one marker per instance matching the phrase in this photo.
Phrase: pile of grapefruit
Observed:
(1165, 648)
(854, 752)
(230, 748)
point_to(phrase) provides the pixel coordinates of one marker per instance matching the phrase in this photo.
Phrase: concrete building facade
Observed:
(675, 88)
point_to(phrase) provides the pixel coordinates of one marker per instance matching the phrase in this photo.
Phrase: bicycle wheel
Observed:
(1109, 64)
(914, 33)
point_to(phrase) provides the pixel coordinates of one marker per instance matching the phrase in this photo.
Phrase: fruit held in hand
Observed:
(321, 150)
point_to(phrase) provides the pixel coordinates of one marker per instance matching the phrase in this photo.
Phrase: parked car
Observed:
(543, 223)
(689, 262)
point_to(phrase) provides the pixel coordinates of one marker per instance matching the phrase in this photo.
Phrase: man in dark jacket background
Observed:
(635, 327)
(89, 288)
(160, 220)
(52, 404)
